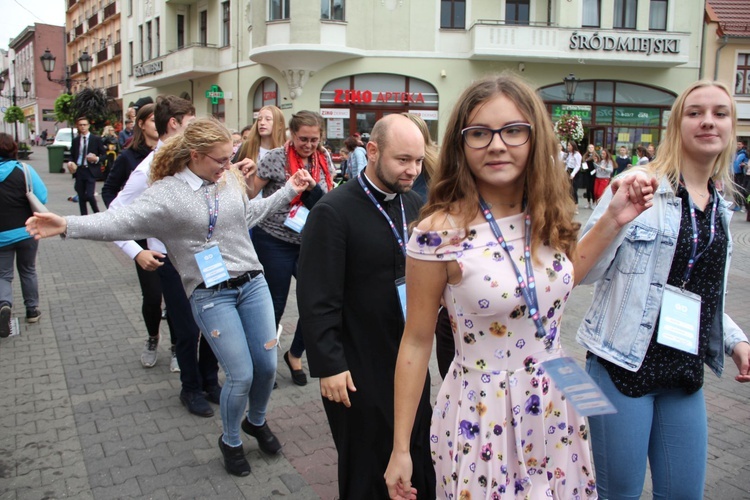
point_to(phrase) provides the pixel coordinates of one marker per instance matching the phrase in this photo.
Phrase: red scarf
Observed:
(318, 162)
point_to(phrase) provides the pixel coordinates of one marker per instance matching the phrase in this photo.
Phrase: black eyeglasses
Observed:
(514, 134)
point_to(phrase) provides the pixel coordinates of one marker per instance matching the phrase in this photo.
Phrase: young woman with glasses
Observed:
(278, 244)
(497, 241)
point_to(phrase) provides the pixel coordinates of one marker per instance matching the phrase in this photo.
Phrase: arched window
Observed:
(267, 94)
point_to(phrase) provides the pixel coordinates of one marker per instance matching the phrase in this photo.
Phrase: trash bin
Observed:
(56, 157)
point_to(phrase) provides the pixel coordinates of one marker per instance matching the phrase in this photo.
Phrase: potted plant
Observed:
(24, 151)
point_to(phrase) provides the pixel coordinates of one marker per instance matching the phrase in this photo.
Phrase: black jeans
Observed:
(85, 187)
(198, 366)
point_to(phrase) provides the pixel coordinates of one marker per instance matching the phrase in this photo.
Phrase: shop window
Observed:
(657, 18)
(591, 16)
(267, 94)
(742, 82)
(625, 14)
(453, 14)
(278, 10)
(225, 24)
(218, 108)
(203, 28)
(517, 12)
(332, 10)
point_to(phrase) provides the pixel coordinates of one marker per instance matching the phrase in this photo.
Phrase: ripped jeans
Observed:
(239, 325)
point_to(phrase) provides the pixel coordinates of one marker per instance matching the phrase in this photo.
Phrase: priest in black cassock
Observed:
(352, 262)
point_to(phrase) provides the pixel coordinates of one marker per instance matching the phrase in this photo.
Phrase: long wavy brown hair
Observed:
(201, 135)
(546, 185)
(251, 147)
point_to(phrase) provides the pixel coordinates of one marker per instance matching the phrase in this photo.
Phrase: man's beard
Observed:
(394, 187)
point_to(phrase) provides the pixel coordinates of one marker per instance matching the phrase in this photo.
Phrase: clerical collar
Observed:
(386, 196)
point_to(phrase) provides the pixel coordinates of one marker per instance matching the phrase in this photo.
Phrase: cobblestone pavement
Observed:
(81, 418)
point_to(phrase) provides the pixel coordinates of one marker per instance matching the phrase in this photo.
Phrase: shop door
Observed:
(600, 137)
(366, 118)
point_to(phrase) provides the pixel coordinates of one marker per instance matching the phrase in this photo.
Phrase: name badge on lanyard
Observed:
(680, 314)
(210, 262)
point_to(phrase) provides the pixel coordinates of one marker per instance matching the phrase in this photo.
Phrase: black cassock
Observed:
(351, 320)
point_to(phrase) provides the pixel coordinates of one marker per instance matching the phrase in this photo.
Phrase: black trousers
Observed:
(85, 187)
(198, 366)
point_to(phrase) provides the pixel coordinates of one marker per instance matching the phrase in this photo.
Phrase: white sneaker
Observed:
(149, 354)
(174, 367)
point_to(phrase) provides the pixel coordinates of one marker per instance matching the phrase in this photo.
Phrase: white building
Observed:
(356, 60)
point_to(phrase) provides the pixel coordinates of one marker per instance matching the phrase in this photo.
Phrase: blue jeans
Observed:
(279, 259)
(667, 426)
(238, 325)
(24, 253)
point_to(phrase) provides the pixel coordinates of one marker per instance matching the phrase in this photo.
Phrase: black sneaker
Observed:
(267, 442)
(234, 459)
(196, 404)
(4, 321)
(33, 315)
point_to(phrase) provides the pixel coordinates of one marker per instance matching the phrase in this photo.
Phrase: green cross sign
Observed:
(214, 94)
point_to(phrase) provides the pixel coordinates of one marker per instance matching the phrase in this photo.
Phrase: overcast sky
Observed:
(17, 14)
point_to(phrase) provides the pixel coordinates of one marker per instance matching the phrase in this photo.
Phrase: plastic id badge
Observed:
(401, 290)
(679, 319)
(578, 387)
(297, 218)
(212, 267)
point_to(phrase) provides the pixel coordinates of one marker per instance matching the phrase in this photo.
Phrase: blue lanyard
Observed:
(694, 255)
(213, 212)
(401, 240)
(528, 292)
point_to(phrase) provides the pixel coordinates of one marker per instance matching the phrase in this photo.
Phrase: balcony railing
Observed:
(71, 3)
(109, 11)
(94, 20)
(117, 49)
(79, 30)
(73, 68)
(101, 56)
(113, 92)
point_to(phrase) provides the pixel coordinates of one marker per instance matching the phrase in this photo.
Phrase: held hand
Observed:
(72, 167)
(301, 181)
(44, 225)
(334, 388)
(92, 158)
(398, 477)
(148, 260)
(633, 194)
(741, 357)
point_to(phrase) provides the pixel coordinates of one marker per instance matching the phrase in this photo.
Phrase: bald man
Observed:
(351, 262)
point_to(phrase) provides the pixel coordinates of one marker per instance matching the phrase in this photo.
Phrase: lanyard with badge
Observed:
(577, 386)
(210, 262)
(679, 320)
(400, 238)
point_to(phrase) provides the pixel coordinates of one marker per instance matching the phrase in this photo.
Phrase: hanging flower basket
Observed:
(569, 128)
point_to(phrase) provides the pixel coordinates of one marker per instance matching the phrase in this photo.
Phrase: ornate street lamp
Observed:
(26, 86)
(48, 63)
(571, 83)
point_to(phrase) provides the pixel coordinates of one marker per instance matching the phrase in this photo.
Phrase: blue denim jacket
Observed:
(629, 280)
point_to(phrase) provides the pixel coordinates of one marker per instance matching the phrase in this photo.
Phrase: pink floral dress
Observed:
(500, 428)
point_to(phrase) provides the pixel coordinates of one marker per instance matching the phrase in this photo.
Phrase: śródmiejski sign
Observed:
(148, 68)
(646, 44)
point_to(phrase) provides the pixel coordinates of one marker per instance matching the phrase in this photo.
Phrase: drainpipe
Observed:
(724, 41)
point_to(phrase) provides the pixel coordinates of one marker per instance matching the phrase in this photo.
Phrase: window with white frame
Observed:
(657, 17)
(278, 10)
(332, 10)
(225, 17)
(591, 13)
(742, 80)
(625, 14)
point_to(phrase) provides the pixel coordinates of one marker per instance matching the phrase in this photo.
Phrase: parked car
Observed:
(64, 137)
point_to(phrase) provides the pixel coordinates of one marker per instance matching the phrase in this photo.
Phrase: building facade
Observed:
(357, 61)
(93, 26)
(727, 53)
(24, 63)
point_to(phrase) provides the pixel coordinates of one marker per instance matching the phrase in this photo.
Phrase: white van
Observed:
(64, 137)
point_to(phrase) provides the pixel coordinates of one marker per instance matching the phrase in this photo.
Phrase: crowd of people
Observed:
(475, 244)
